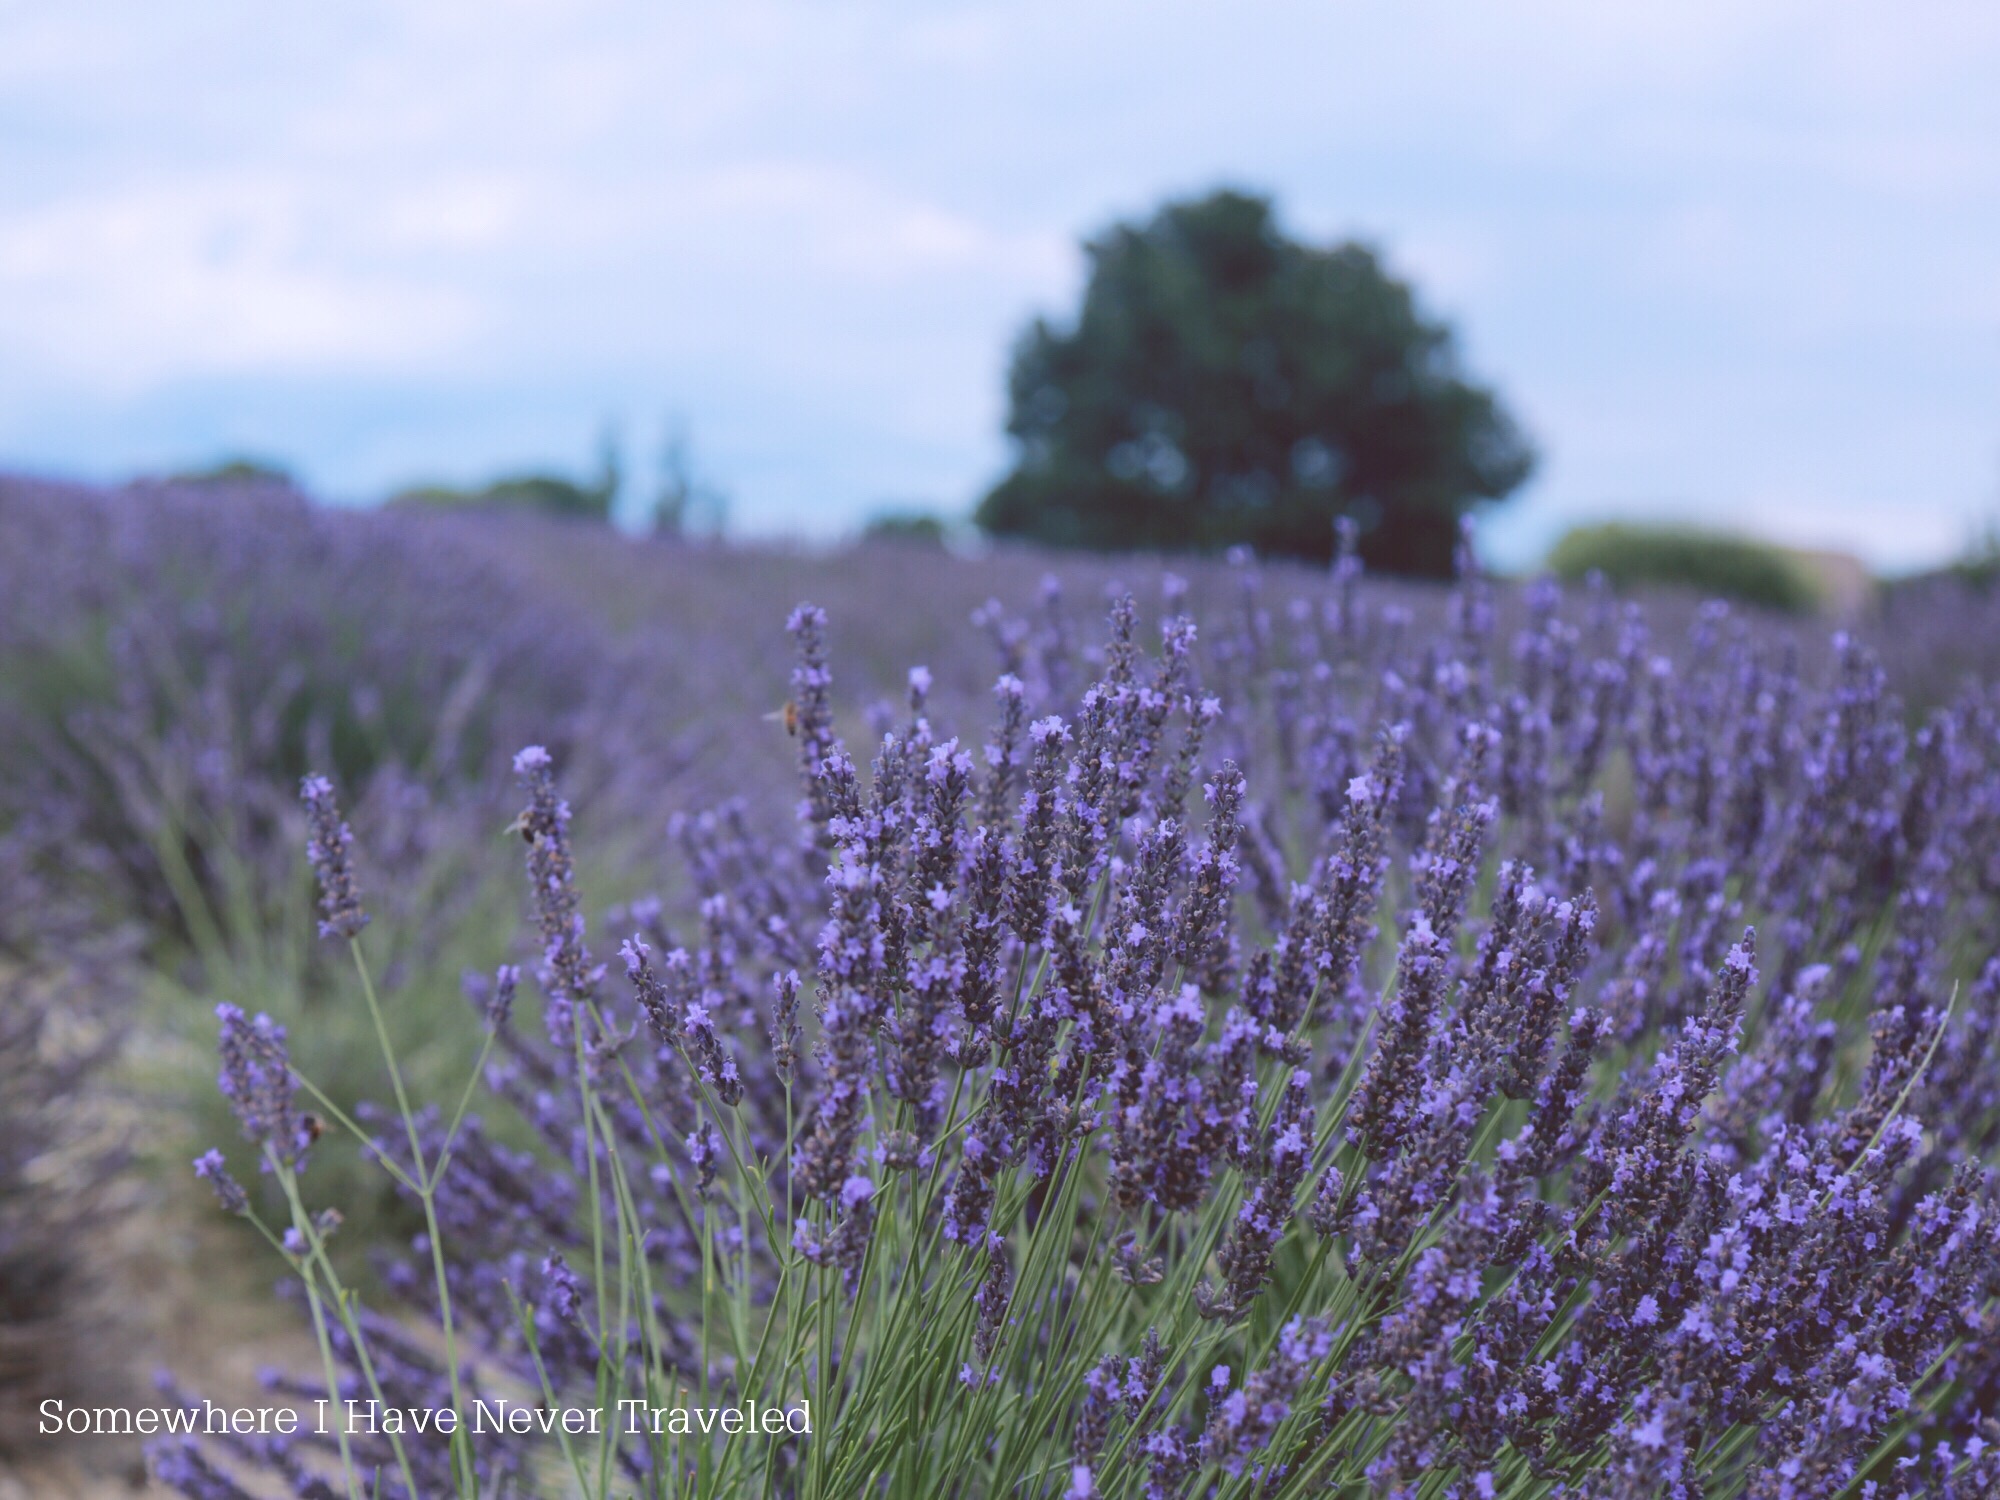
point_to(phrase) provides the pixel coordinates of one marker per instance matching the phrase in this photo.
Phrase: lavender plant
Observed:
(1439, 1123)
(1327, 1052)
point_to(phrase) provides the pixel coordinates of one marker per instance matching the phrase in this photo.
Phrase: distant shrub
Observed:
(544, 494)
(537, 492)
(909, 527)
(247, 471)
(1710, 563)
(1978, 566)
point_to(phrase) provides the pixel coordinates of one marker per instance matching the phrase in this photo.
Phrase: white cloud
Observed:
(120, 289)
(468, 213)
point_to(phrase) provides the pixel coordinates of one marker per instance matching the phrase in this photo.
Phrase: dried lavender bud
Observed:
(330, 850)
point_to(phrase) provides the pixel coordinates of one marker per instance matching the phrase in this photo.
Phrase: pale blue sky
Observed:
(1730, 260)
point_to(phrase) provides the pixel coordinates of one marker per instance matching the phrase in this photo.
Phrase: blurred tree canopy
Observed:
(1225, 384)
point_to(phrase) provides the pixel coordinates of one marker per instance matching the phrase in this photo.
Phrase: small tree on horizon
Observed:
(1225, 384)
(685, 504)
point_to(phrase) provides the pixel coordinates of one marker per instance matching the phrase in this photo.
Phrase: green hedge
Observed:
(1710, 563)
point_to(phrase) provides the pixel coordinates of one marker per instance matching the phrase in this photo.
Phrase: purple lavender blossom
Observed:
(785, 1026)
(1245, 1257)
(1242, 1422)
(330, 849)
(567, 974)
(209, 1167)
(257, 1081)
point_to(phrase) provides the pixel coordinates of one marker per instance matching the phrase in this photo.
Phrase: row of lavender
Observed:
(1563, 1210)
(175, 657)
(1356, 1046)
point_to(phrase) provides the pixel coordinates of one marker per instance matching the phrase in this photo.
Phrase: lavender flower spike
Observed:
(229, 1192)
(256, 1079)
(330, 848)
(1245, 1257)
(567, 973)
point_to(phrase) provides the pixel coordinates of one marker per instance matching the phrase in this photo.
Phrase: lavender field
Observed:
(884, 1023)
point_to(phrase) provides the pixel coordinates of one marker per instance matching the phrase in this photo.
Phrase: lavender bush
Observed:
(1493, 1050)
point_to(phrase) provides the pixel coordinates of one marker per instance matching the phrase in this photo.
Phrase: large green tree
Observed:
(1226, 384)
